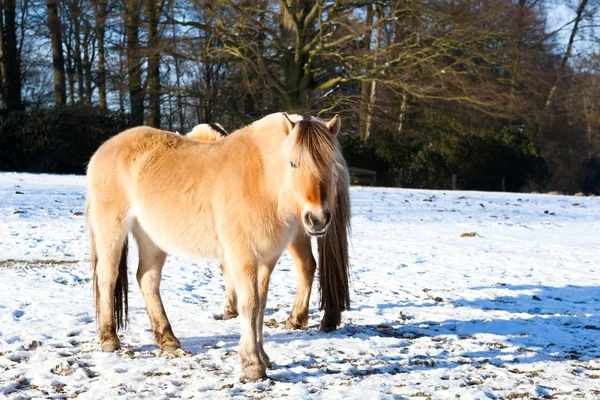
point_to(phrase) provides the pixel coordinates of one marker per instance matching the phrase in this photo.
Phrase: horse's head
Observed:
(312, 174)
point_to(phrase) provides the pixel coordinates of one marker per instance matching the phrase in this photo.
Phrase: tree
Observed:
(100, 16)
(579, 15)
(10, 69)
(58, 61)
(153, 9)
(134, 62)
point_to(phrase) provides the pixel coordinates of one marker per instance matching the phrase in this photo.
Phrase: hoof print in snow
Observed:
(62, 369)
(469, 234)
(32, 346)
(226, 386)
(128, 353)
(175, 354)
(77, 213)
(272, 323)
(592, 327)
(404, 317)
(151, 373)
(423, 363)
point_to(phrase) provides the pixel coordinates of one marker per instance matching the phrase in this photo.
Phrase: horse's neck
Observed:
(266, 142)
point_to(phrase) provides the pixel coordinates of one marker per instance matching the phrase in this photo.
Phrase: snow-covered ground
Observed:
(512, 312)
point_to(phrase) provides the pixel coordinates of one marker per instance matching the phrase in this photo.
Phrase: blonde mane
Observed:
(207, 132)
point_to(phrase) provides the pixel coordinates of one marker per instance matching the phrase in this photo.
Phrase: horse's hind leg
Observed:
(306, 266)
(109, 228)
(245, 276)
(149, 273)
(230, 311)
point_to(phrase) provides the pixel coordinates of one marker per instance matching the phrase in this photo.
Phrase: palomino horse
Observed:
(299, 248)
(248, 197)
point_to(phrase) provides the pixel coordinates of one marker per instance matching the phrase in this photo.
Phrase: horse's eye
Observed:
(293, 165)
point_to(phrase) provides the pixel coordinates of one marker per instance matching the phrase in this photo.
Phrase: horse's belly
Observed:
(191, 236)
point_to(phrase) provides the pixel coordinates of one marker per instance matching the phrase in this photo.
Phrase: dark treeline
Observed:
(483, 90)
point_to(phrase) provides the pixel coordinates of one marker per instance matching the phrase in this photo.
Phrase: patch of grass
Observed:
(13, 262)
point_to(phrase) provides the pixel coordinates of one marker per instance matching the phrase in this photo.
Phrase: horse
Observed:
(207, 132)
(249, 196)
(300, 249)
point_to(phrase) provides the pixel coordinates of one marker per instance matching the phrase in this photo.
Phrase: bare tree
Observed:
(11, 62)
(100, 16)
(134, 62)
(153, 9)
(58, 61)
(579, 15)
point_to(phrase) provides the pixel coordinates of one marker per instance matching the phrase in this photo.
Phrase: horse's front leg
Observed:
(245, 277)
(306, 266)
(264, 276)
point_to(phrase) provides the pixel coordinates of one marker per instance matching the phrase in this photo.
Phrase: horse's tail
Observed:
(121, 306)
(334, 265)
(121, 313)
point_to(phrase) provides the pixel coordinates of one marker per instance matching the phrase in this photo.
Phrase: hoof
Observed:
(266, 360)
(170, 348)
(111, 345)
(229, 315)
(174, 352)
(325, 327)
(225, 316)
(254, 373)
(294, 324)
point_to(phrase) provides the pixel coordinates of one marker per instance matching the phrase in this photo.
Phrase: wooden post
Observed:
(454, 182)
(503, 184)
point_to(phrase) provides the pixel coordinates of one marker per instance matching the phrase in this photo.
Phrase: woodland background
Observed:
(492, 91)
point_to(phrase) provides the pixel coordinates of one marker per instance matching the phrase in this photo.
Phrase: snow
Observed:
(512, 312)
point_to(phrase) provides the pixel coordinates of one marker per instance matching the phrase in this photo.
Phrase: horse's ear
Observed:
(288, 125)
(334, 125)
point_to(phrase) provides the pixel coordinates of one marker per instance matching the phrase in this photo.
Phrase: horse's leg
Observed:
(306, 266)
(264, 276)
(230, 310)
(148, 275)
(109, 233)
(245, 277)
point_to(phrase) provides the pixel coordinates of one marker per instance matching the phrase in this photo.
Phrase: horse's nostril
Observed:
(327, 217)
(308, 221)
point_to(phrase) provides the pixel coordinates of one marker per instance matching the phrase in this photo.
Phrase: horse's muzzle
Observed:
(316, 225)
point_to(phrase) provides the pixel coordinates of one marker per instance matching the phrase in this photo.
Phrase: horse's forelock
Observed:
(315, 148)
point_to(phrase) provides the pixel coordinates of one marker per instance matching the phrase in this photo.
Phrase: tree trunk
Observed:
(11, 60)
(402, 113)
(2, 53)
(180, 110)
(563, 64)
(152, 12)
(520, 28)
(58, 60)
(87, 70)
(365, 85)
(373, 94)
(78, 64)
(295, 33)
(100, 15)
(134, 65)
